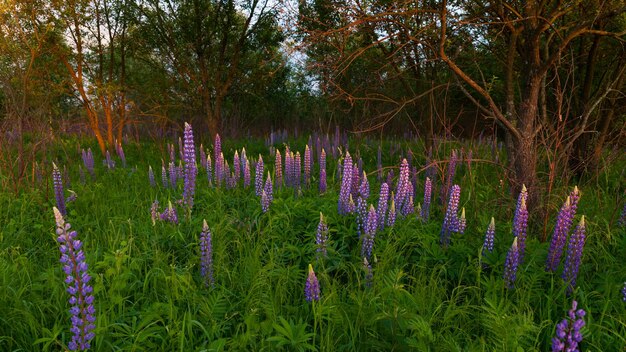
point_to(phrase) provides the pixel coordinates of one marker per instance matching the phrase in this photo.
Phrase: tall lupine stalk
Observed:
(356, 180)
(307, 165)
(278, 169)
(561, 230)
(346, 185)
(218, 172)
(206, 255)
(489, 237)
(267, 194)
(88, 162)
(297, 171)
(189, 156)
(120, 152)
(242, 159)
(568, 334)
(288, 166)
(109, 162)
(312, 286)
(462, 222)
(77, 278)
(361, 204)
(511, 264)
(59, 196)
(258, 177)
(428, 189)
(323, 185)
(391, 218)
(208, 166)
(169, 214)
(163, 175)
(520, 226)
(173, 174)
(383, 201)
(321, 237)
(574, 255)
(403, 189)
(217, 147)
(151, 176)
(523, 196)
(451, 219)
(246, 174)
(236, 167)
(371, 225)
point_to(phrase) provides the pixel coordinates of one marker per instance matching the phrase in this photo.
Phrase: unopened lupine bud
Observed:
(258, 176)
(312, 286)
(489, 236)
(511, 264)
(58, 189)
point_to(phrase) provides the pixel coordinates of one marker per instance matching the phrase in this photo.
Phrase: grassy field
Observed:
(150, 296)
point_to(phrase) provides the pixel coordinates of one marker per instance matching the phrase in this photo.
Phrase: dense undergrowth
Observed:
(149, 295)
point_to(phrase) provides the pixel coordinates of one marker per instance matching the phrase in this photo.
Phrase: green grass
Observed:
(149, 295)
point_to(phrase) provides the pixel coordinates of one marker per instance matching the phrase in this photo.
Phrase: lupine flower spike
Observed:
(346, 185)
(462, 221)
(370, 232)
(520, 224)
(624, 292)
(489, 237)
(428, 188)
(391, 218)
(451, 220)
(58, 189)
(312, 286)
(189, 156)
(561, 229)
(258, 176)
(574, 255)
(568, 334)
(511, 264)
(169, 214)
(164, 176)
(151, 176)
(323, 171)
(206, 255)
(321, 237)
(77, 278)
(383, 201)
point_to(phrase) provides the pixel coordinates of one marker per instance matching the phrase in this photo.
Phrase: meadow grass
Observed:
(149, 295)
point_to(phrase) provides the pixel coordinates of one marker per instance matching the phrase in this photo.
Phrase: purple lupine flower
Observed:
(206, 255)
(163, 175)
(297, 171)
(489, 236)
(356, 180)
(151, 176)
(217, 147)
(218, 169)
(173, 174)
(402, 188)
(462, 222)
(561, 230)
(511, 264)
(383, 200)
(520, 226)
(451, 220)
(242, 159)
(321, 237)
(369, 273)
(81, 298)
(523, 196)
(169, 214)
(73, 196)
(189, 156)
(622, 219)
(258, 177)
(88, 161)
(268, 187)
(120, 152)
(154, 212)
(323, 185)
(428, 189)
(236, 167)
(370, 232)
(351, 207)
(58, 189)
(307, 165)
(346, 185)
(361, 215)
(391, 218)
(208, 166)
(568, 334)
(278, 169)
(246, 174)
(312, 286)
(624, 292)
(109, 162)
(288, 167)
(265, 202)
(574, 255)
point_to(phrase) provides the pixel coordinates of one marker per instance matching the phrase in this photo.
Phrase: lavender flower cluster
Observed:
(568, 331)
(312, 286)
(451, 221)
(206, 255)
(81, 298)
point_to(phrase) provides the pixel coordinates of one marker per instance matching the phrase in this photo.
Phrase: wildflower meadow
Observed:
(316, 242)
